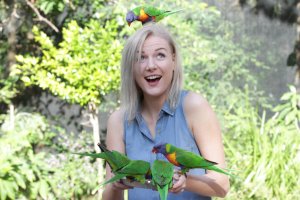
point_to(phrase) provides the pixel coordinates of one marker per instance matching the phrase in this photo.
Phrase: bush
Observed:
(264, 151)
(32, 166)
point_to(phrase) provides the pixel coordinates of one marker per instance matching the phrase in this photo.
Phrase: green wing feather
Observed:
(162, 175)
(152, 11)
(192, 160)
(135, 167)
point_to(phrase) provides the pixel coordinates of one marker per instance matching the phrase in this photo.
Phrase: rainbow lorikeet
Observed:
(186, 160)
(162, 176)
(115, 159)
(136, 170)
(146, 14)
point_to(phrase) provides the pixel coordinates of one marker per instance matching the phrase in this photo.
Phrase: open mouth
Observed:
(153, 78)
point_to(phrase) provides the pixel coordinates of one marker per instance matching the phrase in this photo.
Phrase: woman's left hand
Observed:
(179, 183)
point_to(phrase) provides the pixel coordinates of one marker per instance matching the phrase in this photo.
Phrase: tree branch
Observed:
(40, 17)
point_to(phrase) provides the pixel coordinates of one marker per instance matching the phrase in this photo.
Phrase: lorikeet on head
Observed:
(146, 14)
(186, 160)
(162, 176)
(115, 159)
(136, 170)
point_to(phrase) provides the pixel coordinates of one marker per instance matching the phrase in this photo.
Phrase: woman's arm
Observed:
(203, 123)
(114, 141)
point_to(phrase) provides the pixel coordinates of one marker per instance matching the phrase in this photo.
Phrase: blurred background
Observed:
(60, 77)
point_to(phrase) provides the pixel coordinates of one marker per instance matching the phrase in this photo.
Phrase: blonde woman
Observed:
(155, 109)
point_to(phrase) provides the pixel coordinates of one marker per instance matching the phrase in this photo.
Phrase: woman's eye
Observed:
(142, 58)
(161, 56)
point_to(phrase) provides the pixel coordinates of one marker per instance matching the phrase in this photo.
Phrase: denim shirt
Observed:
(172, 128)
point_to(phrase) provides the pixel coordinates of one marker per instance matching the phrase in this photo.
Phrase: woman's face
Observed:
(154, 71)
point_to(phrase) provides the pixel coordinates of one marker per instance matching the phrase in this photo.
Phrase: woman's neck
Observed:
(151, 106)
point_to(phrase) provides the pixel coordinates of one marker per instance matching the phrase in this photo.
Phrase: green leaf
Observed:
(19, 179)
(43, 189)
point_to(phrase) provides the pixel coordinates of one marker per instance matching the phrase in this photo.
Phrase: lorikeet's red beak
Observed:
(154, 150)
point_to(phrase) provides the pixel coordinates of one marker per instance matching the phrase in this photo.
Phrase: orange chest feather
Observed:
(143, 16)
(172, 158)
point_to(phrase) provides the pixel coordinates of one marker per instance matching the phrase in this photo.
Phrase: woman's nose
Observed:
(151, 64)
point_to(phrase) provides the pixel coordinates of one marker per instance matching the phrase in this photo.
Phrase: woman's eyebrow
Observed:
(158, 49)
(162, 48)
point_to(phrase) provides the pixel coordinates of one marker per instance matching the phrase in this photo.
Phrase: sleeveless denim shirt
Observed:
(172, 128)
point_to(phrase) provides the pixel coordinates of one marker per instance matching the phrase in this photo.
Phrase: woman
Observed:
(155, 109)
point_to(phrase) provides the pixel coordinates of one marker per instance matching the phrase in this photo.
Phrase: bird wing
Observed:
(162, 172)
(191, 160)
(152, 11)
(162, 176)
(135, 167)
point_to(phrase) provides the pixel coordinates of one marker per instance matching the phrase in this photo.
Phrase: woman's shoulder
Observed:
(195, 100)
(116, 118)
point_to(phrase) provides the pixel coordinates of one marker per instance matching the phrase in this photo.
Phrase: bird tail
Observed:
(102, 147)
(93, 155)
(163, 192)
(113, 179)
(165, 14)
(173, 12)
(117, 177)
(220, 170)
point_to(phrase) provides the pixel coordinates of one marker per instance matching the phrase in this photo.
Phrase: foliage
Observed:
(31, 167)
(79, 177)
(21, 167)
(264, 151)
(83, 69)
(48, 6)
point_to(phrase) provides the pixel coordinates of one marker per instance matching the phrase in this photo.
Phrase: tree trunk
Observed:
(297, 74)
(94, 120)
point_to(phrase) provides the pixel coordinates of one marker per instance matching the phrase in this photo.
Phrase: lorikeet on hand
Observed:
(146, 14)
(162, 176)
(136, 170)
(115, 159)
(186, 160)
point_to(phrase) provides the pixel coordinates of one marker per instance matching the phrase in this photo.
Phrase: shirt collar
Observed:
(166, 108)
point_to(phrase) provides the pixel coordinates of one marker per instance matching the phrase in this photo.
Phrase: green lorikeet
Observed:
(136, 170)
(186, 160)
(146, 14)
(115, 159)
(162, 176)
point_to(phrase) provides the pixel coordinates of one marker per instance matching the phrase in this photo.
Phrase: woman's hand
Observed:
(179, 181)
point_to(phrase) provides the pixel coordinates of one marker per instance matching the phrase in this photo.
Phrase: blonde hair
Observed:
(131, 95)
